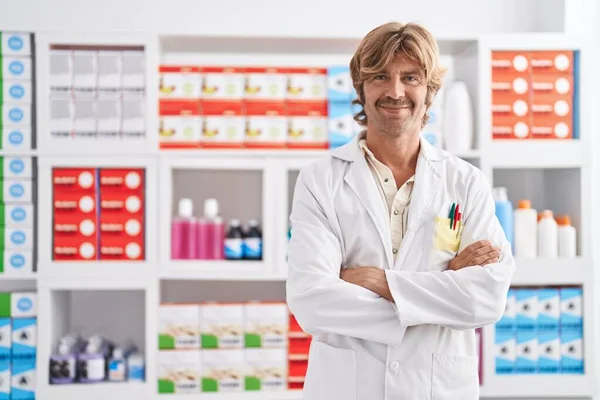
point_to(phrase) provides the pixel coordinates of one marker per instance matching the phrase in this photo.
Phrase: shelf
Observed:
(538, 386)
(98, 275)
(536, 154)
(219, 270)
(551, 272)
(288, 395)
(98, 391)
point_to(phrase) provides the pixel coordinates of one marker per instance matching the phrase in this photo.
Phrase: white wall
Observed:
(303, 18)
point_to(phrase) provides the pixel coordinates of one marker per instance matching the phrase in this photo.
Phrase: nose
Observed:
(397, 89)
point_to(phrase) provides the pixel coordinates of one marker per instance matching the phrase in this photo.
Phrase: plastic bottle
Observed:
(525, 221)
(183, 232)
(458, 118)
(547, 235)
(504, 212)
(117, 366)
(234, 241)
(202, 241)
(567, 242)
(253, 241)
(215, 231)
(135, 367)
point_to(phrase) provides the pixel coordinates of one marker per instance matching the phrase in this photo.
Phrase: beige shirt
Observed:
(396, 201)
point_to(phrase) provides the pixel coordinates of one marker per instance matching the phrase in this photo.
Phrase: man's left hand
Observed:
(370, 278)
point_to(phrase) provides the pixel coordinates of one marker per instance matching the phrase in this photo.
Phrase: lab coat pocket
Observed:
(446, 238)
(454, 377)
(331, 373)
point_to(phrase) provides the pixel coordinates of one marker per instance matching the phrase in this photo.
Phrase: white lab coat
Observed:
(422, 346)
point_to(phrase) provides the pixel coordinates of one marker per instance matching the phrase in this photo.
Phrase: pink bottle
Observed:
(214, 238)
(202, 244)
(183, 232)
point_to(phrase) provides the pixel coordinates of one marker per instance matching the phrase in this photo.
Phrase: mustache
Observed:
(388, 101)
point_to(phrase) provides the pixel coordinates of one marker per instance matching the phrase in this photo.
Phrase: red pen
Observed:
(456, 216)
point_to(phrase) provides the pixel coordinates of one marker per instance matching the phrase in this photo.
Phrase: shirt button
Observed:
(396, 212)
(394, 251)
(386, 179)
(394, 366)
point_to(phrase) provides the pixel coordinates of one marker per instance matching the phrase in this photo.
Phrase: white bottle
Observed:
(547, 235)
(135, 367)
(526, 229)
(567, 242)
(458, 119)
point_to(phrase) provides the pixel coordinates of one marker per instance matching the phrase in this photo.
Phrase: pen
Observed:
(451, 215)
(456, 216)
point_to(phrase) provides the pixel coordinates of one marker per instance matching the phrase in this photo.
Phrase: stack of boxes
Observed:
(16, 92)
(215, 347)
(534, 95)
(18, 343)
(254, 107)
(98, 214)
(298, 349)
(541, 332)
(97, 93)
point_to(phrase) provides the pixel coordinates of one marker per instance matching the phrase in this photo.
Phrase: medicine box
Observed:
(549, 352)
(134, 71)
(15, 115)
(16, 191)
(527, 309)
(222, 326)
(15, 44)
(266, 325)
(179, 326)
(266, 370)
(339, 84)
(122, 179)
(23, 377)
(24, 339)
(108, 115)
(223, 83)
(18, 304)
(5, 381)
(266, 125)
(572, 352)
(506, 352)
(548, 309)
(16, 215)
(15, 68)
(133, 116)
(265, 84)
(180, 82)
(16, 167)
(508, 320)
(223, 370)
(15, 139)
(307, 84)
(110, 71)
(527, 352)
(5, 340)
(61, 71)
(15, 262)
(16, 238)
(179, 371)
(81, 180)
(223, 125)
(180, 124)
(85, 71)
(340, 124)
(307, 125)
(16, 92)
(571, 308)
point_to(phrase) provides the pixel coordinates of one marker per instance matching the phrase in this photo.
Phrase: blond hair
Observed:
(382, 45)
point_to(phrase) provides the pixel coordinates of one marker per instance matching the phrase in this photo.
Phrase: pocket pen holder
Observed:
(447, 238)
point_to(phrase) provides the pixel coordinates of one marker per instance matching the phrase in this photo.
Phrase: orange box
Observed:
(509, 127)
(126, 179)
(549, 105)
(307, 125)
(299, 345)
(121, 202)
(121, 224)
(510, 105)
(76, 225)
(266, 125)
(74, 179)
(223, 125)
(555, 84)
(518, 62)
(75, 202)
(510, 83)
(121, 248)
(297, 369)
(73, 249)
(551, 127)
(552, 61)
(180, 124)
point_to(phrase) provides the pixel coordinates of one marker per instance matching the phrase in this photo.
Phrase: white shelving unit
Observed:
(158, 278)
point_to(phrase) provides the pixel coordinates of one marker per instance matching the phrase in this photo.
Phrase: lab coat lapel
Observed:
(427, 183)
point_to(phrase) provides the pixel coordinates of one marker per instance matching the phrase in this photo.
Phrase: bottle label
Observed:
(253, 248)
(233, 249)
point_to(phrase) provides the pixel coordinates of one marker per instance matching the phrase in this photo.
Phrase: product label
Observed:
(122, 179)
(252, 248)
(24, 335)
(23, 381)
(116, 370)
(16, 262)
(23, 304)
(5, 381)
(5, 339)
(233, 249)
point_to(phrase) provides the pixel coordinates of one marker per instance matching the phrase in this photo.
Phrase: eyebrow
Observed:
(415, 71)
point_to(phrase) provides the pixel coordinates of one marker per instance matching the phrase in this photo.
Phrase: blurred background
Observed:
(149, 152)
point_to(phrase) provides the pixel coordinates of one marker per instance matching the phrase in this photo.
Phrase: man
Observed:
(396, 255)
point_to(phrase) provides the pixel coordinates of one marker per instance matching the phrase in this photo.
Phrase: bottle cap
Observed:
(234, 222)
(63, 349)
(118, 353)
(211, 208)
(253, 223)
(563, 220)
(186, 208)
(545, 214)
(500, 194)
(524, 204)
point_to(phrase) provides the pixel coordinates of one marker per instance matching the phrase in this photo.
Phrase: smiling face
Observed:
(394, 99)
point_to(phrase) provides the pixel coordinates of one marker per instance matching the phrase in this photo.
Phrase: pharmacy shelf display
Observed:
(256, 183)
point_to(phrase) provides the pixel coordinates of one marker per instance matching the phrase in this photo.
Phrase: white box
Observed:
(85, 71)
(5, 381)
(24, 339)
(180, 129)
(222, 326)
(15, 44)
(23, 378)
(308, 131)
(17, 238)
(134, 116)
(223, 83)
(179, 326)
(266, 325)
(16, 92)
(134, 71)
(61, 70)
(266, 370)
(179, 371)
(84, 121)
(16, 68)
(265, 84)
(16, 167)
(17, 215)
(110, 70)
(307, 84)
(16, 115)
(223, 131)
(180, 82)
(108, 116)
(15, 139)
(17, 262)
(527, 352)
(16, 191)
(223, 370)
(62, 116)
(23, 304)
(266, 130)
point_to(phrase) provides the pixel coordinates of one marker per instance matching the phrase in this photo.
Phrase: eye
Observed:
(411, 78)
(379, 77)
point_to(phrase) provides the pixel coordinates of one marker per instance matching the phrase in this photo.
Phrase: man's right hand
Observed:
(479, 253)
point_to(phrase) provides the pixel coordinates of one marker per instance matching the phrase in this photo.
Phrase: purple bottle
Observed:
(63, 364)
(92, 363)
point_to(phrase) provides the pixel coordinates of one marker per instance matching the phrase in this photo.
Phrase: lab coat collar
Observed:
(360, 179)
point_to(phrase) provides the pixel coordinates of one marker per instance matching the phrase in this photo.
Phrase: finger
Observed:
(490, 261)
(483, 251)
(475, 247)
(480, 259)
